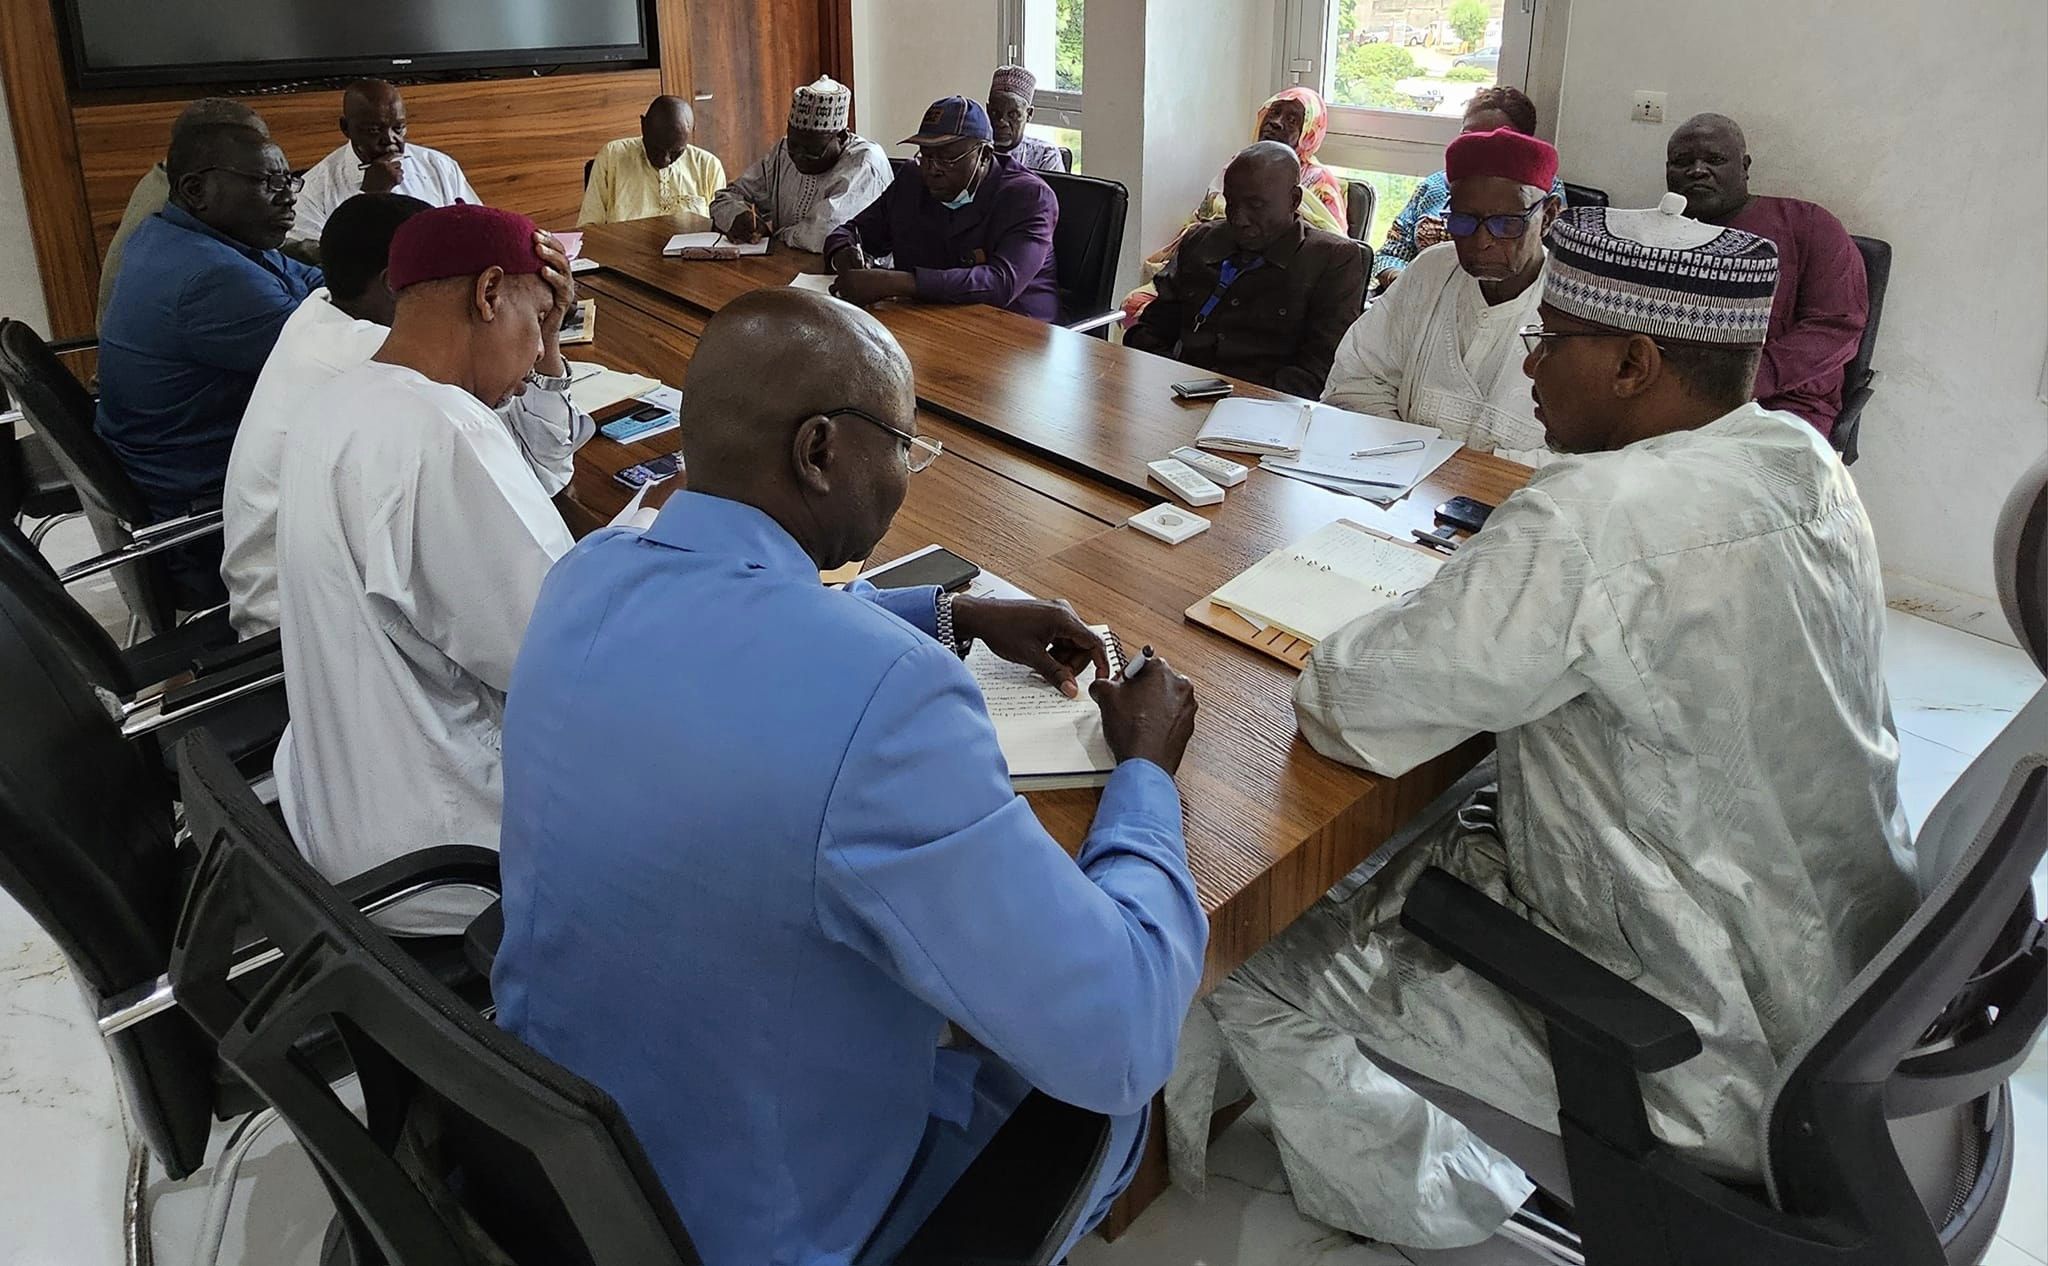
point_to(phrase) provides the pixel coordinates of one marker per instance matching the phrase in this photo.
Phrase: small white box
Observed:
(1169, 523)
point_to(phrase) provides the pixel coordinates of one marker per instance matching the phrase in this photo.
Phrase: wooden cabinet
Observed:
(745, 58)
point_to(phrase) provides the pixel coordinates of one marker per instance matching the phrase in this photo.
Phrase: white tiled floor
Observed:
(63, 1152)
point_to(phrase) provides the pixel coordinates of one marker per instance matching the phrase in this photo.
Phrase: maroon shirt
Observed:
(1818, 314)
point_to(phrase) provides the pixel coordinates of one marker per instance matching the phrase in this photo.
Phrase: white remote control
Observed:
(1219, 470)
(1187, 483)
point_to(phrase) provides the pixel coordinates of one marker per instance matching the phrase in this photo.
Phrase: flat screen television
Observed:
(116, 43)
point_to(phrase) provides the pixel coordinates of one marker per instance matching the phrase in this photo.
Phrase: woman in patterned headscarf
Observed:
(1297, 118)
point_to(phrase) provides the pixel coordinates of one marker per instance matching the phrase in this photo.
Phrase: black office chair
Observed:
(1066, 159)
(588, 164)
(1584, 195)
(1859, 380)
(1086, 244)
(1889, 1135)
(470, 1141)
(61, 411)
(32, 484)
(1361, 203)
(88, 847)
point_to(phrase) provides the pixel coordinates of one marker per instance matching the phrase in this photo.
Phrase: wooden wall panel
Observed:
(522, 142)
(746, 57)
(57, 221)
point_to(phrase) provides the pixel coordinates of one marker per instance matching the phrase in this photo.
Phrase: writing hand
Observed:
(865, 287)
(1046, 637)
(1148, 717)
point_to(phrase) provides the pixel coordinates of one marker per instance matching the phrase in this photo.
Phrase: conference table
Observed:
(1047, 433)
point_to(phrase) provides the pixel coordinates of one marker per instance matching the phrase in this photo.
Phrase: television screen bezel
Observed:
(226, 73)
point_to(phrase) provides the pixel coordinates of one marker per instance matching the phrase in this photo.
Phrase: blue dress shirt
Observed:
(193, 317)
(760, 845)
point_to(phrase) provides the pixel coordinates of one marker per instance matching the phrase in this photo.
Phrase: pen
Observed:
(1388, 450)
(1133, 667)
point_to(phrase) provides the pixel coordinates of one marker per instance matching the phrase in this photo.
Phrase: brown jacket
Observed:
(1277, 325)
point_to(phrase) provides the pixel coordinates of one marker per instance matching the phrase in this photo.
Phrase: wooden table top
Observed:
(1047, 433)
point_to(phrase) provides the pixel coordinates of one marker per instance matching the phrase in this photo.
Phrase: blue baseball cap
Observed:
(949, 119)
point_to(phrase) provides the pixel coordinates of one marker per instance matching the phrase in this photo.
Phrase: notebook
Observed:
(1051, 742)
(1236, 425)
(1324, 581)
(711, 246)
(605, 387)
(820, 282)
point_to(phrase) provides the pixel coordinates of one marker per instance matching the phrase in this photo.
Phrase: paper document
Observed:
(584, 264)
(820, 282)
(1326, 580)
(670, 398)
(1236, 425)
(636, 515)
(606, 388)
(572, 244)
(1048, 740)
(1334, 437)
(712, 246)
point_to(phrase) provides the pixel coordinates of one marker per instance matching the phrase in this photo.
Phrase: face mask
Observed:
(966, 195)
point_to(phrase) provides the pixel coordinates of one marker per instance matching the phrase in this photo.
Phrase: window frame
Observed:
(1362, 137)
(1052, 107)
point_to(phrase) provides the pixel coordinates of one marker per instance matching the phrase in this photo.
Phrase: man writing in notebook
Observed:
(1260, 296)
(1675, 632)
(786, 803)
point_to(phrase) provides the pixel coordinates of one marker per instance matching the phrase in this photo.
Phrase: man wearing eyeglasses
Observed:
(1440, 348)
(1675, 635)
(966, 224)
(761, 847)
(202, 294)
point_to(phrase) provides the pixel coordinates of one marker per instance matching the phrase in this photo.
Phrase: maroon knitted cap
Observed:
(461, 241)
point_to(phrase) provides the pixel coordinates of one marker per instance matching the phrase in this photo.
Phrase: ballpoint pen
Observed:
(1389, 450)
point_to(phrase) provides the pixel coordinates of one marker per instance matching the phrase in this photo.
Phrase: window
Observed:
(1044, 36)
(1401, 71)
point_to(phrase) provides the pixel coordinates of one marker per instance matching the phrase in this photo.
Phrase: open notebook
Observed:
(711, 246)
(1326, 580)
(1049, 740)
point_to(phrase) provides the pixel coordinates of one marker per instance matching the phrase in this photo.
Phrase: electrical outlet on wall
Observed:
(1648, 107)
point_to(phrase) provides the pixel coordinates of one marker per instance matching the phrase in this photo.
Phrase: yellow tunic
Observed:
(625, 186)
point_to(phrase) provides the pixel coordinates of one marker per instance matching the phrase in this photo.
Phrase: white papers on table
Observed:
(712, 246)
(606, 387)
(637, 516)
(1333, 435)
(670, 398)
(820, 282)
(1326, 580)
(584, 264)
(1236, 425)
(1049, 741)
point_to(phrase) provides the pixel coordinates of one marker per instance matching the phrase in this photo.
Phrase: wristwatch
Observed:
(534, 378)
(944, 626)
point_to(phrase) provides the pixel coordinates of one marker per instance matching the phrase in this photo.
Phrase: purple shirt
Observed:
(995, 250)
(1818, 314)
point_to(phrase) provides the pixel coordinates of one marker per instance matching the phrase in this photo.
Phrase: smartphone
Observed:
(1202, 389)
(645, 420)
(1464, 512)
(660, 470)
(941, 567)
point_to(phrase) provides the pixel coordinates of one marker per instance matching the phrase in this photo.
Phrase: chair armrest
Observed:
(480, 943)
(72, 346)
(428, 870)
(1096, 322)
(188, 700)
(1570, 991)
(1024, 1193)
(154, 539)
(242, 652)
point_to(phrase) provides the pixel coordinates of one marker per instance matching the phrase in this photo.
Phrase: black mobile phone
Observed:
(647, 413)
(660, 470)
(941, 567)
(1464, 512)
(1202, 389)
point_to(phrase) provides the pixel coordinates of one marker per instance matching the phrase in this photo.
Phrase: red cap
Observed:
(1504, 152)
(461, 241)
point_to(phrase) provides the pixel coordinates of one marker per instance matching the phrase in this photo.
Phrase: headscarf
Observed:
(1316, 180)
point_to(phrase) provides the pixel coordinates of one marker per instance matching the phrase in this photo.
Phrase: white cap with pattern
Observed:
(824, 106)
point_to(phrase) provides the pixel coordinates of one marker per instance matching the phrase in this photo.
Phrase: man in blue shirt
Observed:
(202, 294)
(760, 845)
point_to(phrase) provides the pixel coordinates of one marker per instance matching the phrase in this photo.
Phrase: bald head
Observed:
(1261, 193)
(1707, 161)
(767, 418)
(373, 119)
(666, 129)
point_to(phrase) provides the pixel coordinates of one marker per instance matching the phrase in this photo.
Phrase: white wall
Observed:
(21, 285)
(909, 53)
(1919, 124)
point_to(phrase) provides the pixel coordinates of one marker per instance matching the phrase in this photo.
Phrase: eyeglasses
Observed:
(918, 452)
(1535, 336)
(1505, 227)
(272, 182)
(929, 158)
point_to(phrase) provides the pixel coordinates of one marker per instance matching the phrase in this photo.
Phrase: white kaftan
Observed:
(317, 343)
(411, 541)
(805, 209)
(1434, 352)
(1678, 648)
(426, 174)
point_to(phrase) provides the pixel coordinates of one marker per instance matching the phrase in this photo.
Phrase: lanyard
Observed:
(1226, 274)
